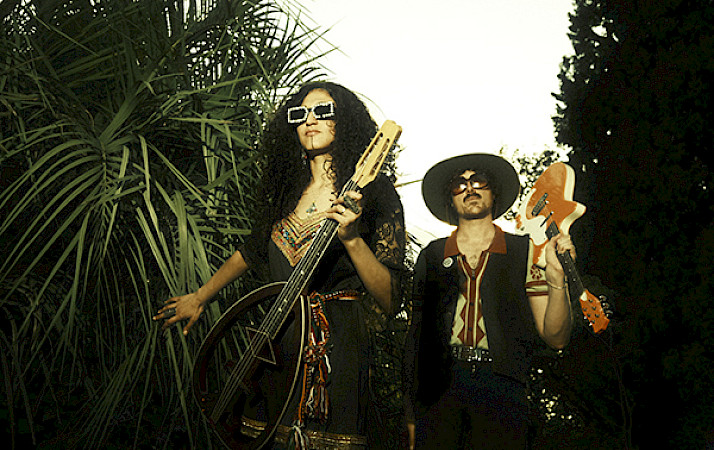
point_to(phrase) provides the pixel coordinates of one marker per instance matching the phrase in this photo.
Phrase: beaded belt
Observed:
(319, 440)
(470, 354)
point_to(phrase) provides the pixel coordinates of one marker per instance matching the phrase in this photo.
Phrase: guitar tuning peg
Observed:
(606, 306)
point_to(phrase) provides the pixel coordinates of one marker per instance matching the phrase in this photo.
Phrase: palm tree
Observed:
(127, 154)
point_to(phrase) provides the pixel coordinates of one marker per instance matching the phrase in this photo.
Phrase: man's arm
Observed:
(551, 312)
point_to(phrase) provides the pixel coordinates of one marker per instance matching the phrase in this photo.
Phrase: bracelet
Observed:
(554, 286)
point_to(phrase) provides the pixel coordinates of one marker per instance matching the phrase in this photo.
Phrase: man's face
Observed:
(475, 201)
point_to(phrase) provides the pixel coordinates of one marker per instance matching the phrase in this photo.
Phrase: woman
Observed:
(311, 147)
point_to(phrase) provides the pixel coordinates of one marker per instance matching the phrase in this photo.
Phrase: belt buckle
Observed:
(475, 354)
(470, 354)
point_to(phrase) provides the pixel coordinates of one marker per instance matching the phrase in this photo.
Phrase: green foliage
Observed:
(529, 168)
(635, 106)
(127, 154)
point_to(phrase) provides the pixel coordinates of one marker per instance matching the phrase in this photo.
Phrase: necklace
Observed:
(311, 209)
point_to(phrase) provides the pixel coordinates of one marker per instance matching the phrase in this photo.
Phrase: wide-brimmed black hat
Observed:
(501, 176)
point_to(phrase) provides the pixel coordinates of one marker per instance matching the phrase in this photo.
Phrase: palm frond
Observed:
(127, 157)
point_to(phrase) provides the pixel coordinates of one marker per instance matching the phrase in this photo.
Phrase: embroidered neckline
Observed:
(293, 235)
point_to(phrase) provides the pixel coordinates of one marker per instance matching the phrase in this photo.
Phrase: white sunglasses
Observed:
(323, 110)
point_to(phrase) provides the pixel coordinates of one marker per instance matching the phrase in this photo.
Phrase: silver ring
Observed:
(169, 313)
(351, 204)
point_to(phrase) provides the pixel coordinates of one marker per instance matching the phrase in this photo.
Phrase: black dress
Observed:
(382, 228)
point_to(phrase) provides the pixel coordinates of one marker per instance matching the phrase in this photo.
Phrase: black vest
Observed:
(509, 321)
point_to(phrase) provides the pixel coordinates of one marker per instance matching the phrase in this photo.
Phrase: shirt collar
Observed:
(498, 244)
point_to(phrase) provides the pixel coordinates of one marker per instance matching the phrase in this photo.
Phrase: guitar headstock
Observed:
(373, 157)
(596, 311)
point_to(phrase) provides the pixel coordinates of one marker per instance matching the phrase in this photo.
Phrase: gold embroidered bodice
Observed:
(293, 235)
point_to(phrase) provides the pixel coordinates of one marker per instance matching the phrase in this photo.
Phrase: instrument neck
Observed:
(571, 273)
(302, 273)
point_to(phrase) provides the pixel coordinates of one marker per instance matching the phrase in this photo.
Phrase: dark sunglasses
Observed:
(323, 110)
(460, 184)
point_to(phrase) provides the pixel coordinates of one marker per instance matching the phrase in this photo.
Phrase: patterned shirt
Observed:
(469, 327)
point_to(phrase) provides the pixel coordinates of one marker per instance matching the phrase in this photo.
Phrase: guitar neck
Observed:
(576, 285)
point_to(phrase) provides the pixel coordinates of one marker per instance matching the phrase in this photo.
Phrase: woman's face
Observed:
(316, 135)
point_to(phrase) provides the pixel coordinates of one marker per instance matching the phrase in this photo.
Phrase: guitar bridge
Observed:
(261, 350)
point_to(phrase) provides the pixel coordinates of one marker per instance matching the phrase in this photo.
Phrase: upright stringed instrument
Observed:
(246, 369)
(547, 210)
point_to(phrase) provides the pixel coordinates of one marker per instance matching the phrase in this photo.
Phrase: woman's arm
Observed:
(191, 306)
(374, 275)
(381, 282)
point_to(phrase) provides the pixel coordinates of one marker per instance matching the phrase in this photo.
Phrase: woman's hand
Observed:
(176, 309)
(190, 306)
(346, 212)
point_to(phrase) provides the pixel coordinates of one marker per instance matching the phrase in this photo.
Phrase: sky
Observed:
(459, 76)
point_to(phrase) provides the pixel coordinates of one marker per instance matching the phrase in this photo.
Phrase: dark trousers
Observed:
(480, 410)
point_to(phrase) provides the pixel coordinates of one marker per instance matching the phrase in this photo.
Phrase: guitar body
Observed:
(242, 380)
(556, 184)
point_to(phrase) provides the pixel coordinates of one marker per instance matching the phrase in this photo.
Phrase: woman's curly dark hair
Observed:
(285, 174)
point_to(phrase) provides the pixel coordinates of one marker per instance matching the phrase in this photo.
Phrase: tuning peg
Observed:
(606, 306)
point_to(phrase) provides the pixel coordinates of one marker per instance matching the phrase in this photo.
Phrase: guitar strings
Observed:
(275, 316)
(578, 288)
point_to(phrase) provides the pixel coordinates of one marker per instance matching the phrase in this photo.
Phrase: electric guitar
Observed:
(246, 369)
(547, 210)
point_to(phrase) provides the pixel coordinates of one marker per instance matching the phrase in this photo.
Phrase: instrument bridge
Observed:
(260, 345)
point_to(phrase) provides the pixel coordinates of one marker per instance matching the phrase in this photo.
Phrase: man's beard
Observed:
(481, 214)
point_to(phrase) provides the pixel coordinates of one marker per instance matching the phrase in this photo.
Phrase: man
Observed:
(480, 306)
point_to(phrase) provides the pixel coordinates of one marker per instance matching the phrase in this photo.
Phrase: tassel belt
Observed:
(344, 294)
(470, 354)
(321, 440)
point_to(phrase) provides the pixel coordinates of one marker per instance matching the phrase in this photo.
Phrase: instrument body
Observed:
(241, 380)
(547, 210)
(247, 366)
